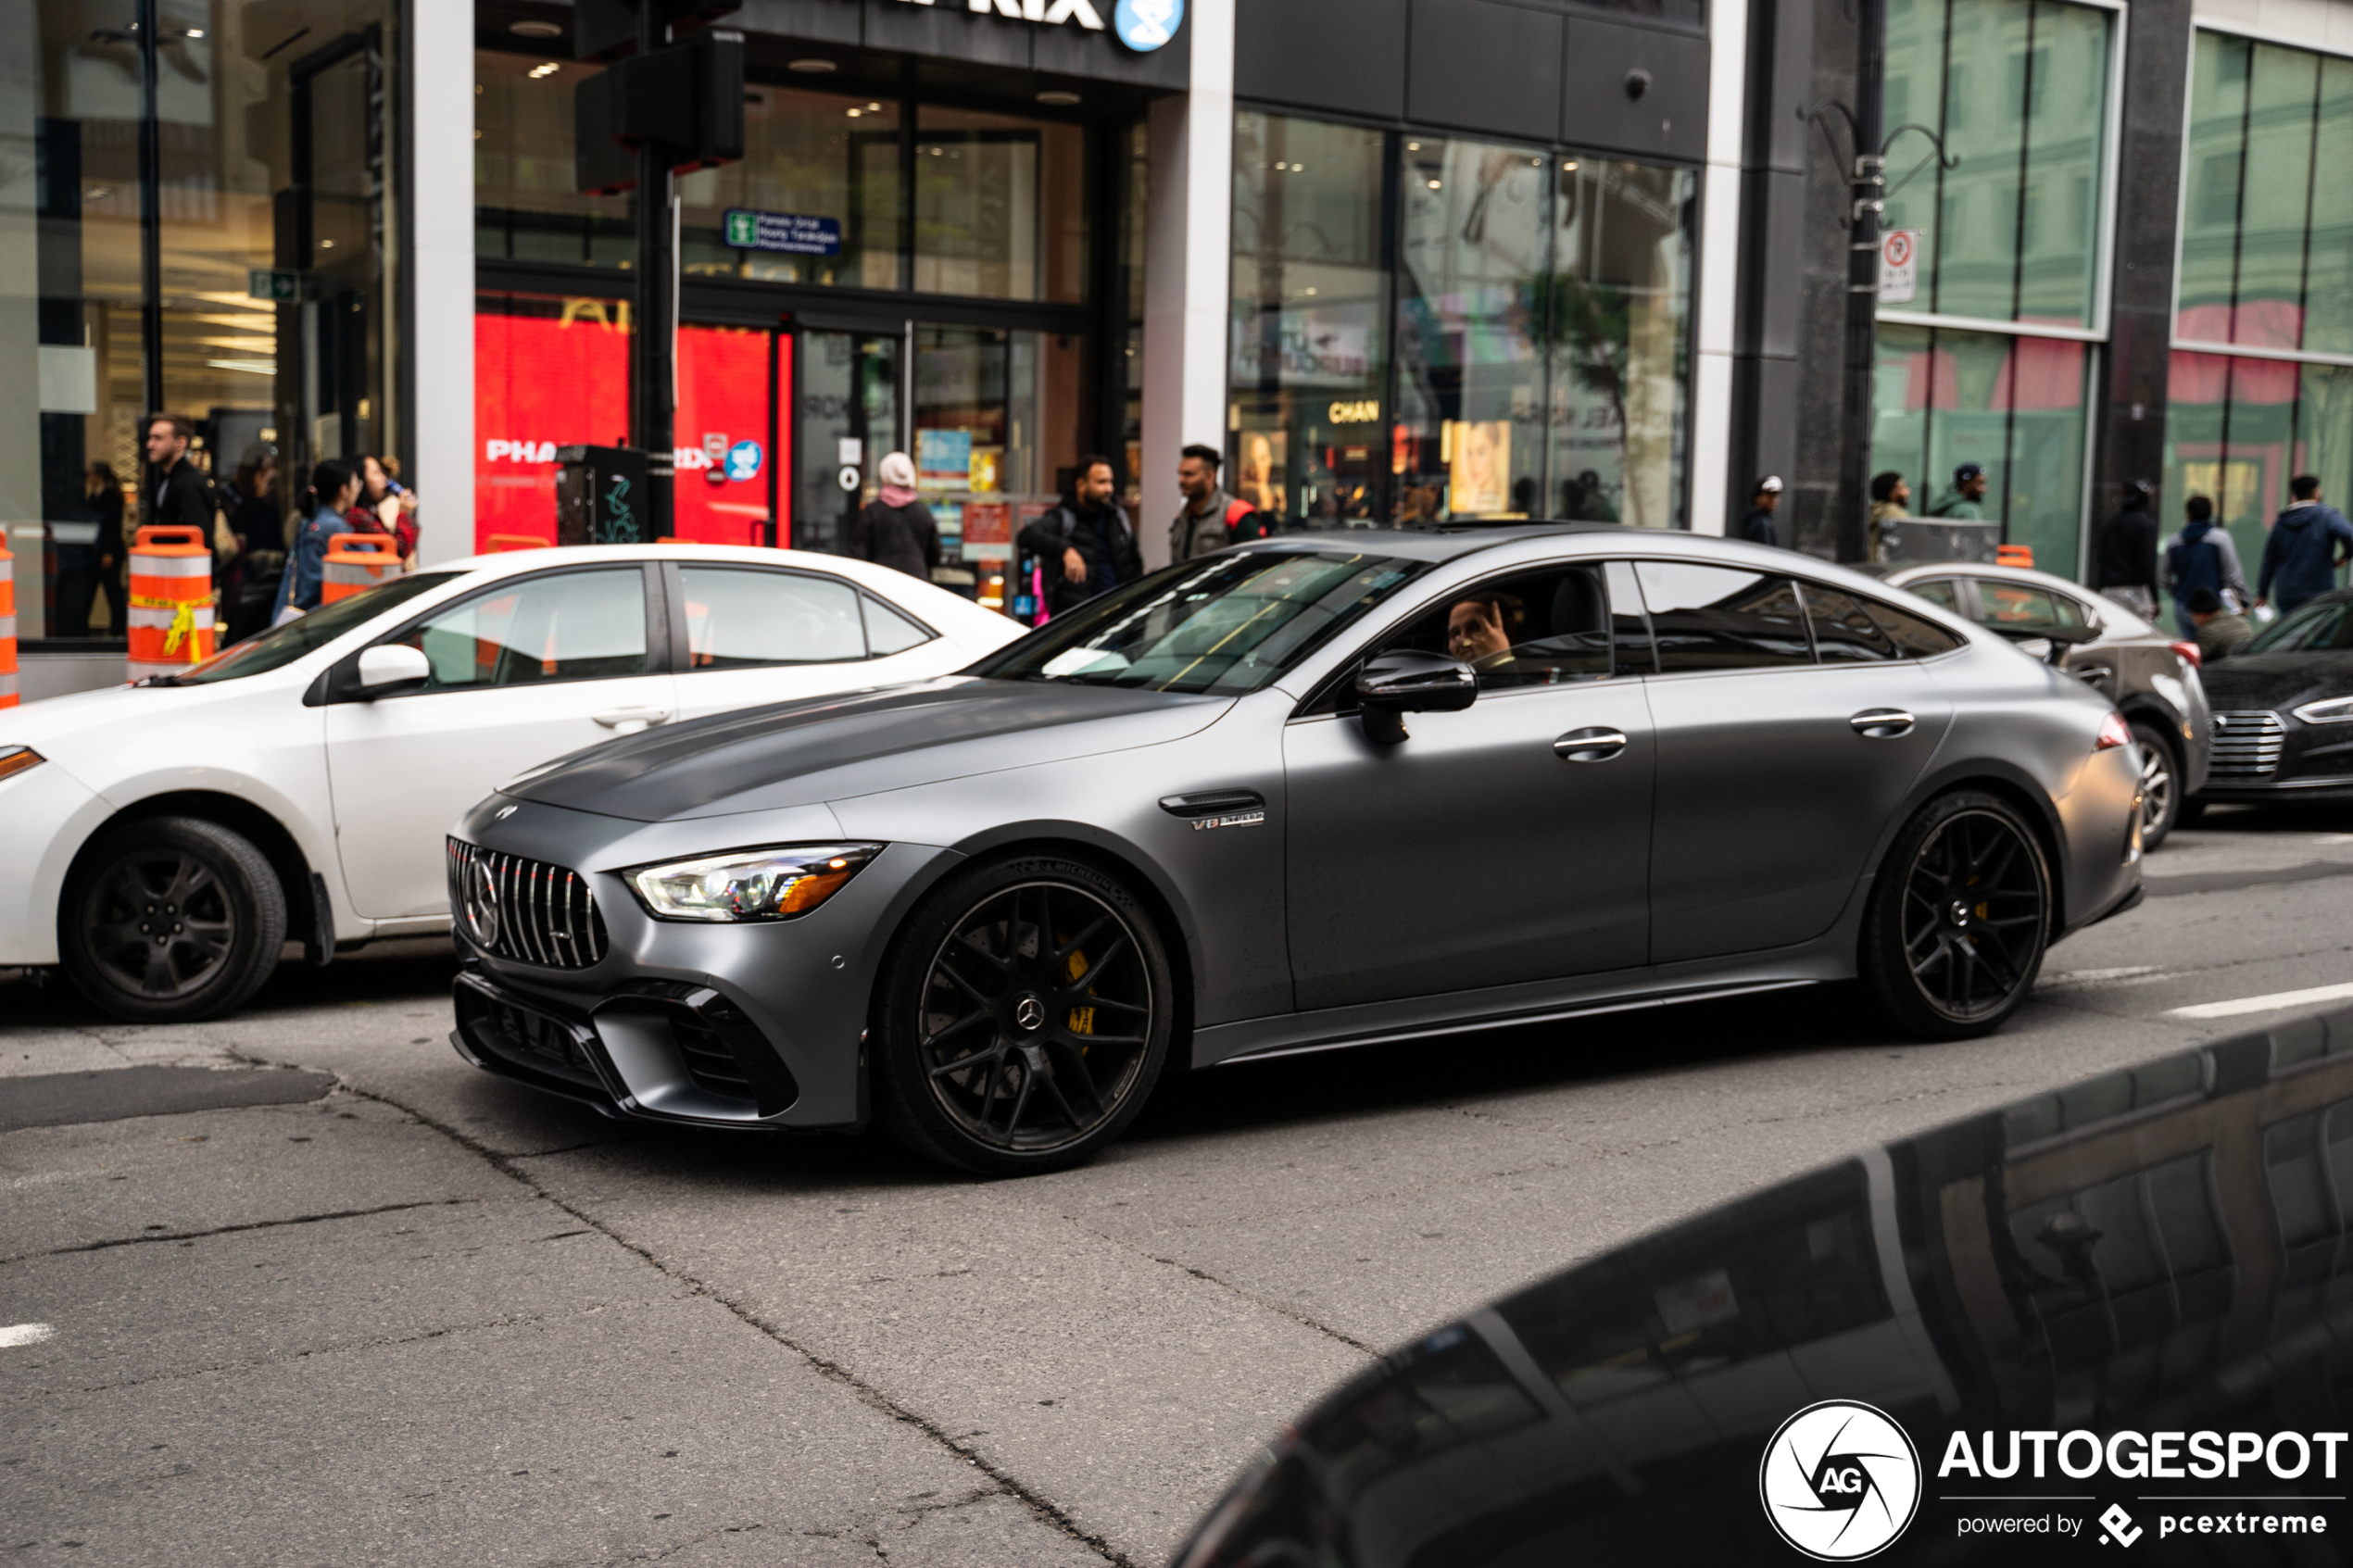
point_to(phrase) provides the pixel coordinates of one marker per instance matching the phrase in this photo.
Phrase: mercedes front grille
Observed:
(524, 909)
(2248, 746)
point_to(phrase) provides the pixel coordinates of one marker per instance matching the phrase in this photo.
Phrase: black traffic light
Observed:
(686, 100)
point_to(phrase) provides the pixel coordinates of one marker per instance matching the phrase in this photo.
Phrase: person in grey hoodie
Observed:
(2308, 544)
(2203, 555)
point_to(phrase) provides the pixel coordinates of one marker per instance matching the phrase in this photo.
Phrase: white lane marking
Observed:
(2085, 976)
(2277, 1001)
(24, 1333)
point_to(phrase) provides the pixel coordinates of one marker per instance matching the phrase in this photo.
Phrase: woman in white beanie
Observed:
(895, 529)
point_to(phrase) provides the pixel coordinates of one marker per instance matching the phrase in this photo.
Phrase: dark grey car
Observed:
(2152, 678)
(1311, 793)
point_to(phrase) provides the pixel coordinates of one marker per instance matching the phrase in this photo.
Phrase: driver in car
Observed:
(1479, 632)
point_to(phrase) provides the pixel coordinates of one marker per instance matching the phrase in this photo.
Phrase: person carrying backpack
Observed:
(1085, 547)
(2202, 556)
(1211, 518)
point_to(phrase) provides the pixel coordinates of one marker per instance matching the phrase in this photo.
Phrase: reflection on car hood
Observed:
(834, 747)
(2164, 1250)
(2254, 680)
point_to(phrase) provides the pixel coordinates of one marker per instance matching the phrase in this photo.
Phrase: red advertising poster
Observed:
(548, 373)
(988, 529)
(726, 437)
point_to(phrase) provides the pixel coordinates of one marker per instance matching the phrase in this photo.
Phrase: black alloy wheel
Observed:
(2160, 785)
(169, 919)
(1025, 1015)
(1959, 919)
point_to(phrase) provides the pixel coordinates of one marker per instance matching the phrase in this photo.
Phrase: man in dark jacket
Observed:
(1211, 518)
(2124, 559)
(1758, 527)
(2308, 544)
(1085, 545)
(176, 491)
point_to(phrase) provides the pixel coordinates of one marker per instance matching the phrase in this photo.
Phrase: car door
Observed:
(1776, 769)
(523, 672)
(1504, 843)
(753, 634)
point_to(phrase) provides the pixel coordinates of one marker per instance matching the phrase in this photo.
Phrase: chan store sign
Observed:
(1142, 25)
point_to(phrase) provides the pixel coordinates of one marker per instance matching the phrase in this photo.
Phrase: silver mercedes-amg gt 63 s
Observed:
(1323, 790)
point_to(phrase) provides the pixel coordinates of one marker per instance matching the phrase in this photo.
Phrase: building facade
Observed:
(1397, 259)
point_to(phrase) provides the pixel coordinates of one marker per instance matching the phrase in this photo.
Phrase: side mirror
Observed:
(1394, 685)
(389, 668)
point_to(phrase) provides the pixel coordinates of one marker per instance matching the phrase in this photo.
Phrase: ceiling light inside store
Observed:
(1570, 165)
(813, 68)
(195, 33)
(1436, 185)
(535, 29)
(853, 113)
(546, 67)
(1057, 96)
(1413, 147)
(251, 367)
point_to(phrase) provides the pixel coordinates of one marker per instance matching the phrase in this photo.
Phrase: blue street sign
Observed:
(1145, 25)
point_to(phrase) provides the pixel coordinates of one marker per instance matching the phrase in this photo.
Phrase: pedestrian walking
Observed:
(1764, 498)
(1085, 545)
(2308, 541)
(2218, 629)
(1210, 520)
(2124, 555)
(333, 487)
(1890, 504)
(2203, 555)
(895, 529)
(250, 588)
(1966, 501)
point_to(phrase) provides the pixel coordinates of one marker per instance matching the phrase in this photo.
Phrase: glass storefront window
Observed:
(1310, 303)
(999, 208)
(527, 204)
(265, 318)
(2237, 430)
(549, 372)
(2013, 406)
(2018, 91)
(811, 154)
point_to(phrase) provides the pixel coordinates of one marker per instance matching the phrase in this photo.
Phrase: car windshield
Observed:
(2324, 623)
(284, 644)
(1229, 623)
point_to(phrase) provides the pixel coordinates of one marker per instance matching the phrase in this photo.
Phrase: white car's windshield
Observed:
(1231, 623)
(284, 644)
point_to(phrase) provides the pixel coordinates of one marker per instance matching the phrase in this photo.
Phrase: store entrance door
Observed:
(990, 416)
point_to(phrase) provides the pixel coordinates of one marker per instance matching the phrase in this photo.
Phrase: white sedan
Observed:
(162, 842)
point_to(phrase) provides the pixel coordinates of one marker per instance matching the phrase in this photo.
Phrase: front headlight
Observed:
(749, 885)
(15, 759)
(2336, 711)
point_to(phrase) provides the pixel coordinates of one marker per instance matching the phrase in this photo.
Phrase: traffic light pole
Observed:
(1868, 199)
(653, 353)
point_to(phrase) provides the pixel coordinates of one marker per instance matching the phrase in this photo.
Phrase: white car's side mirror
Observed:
(389, 668)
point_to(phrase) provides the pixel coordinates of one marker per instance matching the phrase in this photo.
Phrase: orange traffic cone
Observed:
(356, 562)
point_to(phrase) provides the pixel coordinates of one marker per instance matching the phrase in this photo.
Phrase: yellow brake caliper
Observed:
(1082, 1019)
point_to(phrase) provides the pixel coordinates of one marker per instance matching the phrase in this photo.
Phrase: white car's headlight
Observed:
(2336, 711)
(749, 885)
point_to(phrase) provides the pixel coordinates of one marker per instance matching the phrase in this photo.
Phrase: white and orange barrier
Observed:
(356, 562)
(171, 623)
(7, 628)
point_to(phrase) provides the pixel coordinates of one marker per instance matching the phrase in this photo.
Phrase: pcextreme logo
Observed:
(1841, 1481)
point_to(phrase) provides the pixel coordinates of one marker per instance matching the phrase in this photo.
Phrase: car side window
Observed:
(570, 626)
(1544, 628)
(1722, 618)
(2014, 606)
(743, 618)
(1941, 591)
(1843, 630)
(888, 631)
(1914, 636)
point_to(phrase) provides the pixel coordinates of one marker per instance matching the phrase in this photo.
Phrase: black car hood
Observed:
(2164, 1250)
(834, 747)
(2252, 680)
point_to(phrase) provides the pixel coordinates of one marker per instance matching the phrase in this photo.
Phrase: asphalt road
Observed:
(302, 1288)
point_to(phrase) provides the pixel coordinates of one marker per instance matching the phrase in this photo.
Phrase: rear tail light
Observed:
(2114, 732)
(2191, 653)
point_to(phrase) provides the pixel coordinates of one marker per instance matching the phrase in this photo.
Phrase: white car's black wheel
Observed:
(1024, 1014)
(1959, 918)
(170, 919)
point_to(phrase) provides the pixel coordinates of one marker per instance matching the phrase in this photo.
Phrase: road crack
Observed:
(235, 1230)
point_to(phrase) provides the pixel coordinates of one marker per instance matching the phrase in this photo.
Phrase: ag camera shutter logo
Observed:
(1841, 1481)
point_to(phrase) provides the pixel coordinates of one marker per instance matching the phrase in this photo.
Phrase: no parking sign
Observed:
(1899, 255)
